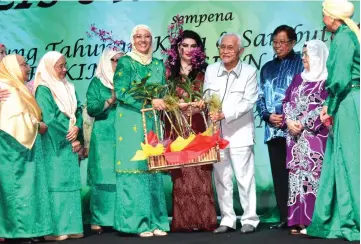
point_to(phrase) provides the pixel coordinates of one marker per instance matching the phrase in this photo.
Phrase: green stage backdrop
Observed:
(31, 28)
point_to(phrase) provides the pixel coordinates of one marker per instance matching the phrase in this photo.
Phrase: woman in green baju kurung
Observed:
(62, 114)
(24, 209)
(140, 202)
(337, 209)
(101, 173)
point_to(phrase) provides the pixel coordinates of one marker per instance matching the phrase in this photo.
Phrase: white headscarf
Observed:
(104, 70)
(62, 90)
(144, 59)
(343, 10)
(318, 53)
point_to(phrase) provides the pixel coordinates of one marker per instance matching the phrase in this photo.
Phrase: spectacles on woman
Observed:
(25, 64)
(62, 66)
(138, 37)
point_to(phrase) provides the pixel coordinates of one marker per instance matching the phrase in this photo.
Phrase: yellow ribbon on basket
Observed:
(180, 143)
(208, 132)
(147, 151)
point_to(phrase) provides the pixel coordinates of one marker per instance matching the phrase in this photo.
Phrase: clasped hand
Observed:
(324, 115)
(72, 134)
(4, 94)
(294, 127)
(276, 120)
(159, 104)
(42, 128)
(191, 108)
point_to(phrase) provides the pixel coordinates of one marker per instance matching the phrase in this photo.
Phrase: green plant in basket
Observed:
(214, 103)
(192, 87)
(147, 91)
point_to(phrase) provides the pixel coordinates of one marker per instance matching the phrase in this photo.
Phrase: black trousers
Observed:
(277, 152)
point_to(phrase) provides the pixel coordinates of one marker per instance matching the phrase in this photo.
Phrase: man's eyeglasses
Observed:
(229, 49)
(281, 43)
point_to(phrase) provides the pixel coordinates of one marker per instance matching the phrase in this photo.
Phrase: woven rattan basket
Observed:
(160, 163)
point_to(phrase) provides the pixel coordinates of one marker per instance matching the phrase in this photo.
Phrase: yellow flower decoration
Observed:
(120, 73)
(135, 128)
(123, 89)
(147, 151)
(149, 74)
(120, 115)
(180, 143)
(120, 138)
(156, 62)
(119, 162)
(208, 132)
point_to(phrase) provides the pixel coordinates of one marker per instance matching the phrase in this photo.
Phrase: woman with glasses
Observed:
(101, 174)
(24, 209)
(275, 77)
(140, 201)
(62, 114)
(306, 136)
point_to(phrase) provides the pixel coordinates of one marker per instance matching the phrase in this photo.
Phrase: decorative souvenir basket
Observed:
(160, 162)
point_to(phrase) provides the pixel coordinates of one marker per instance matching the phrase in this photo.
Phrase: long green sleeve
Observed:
(96, 96)
(163, 80)
(79, 114)
(55, 120)
(341, 66)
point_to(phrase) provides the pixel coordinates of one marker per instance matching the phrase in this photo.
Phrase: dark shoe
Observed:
(247, 229)
(97, 231)
(222, 229)
(294, 231)
(281, 225)
(20, 241)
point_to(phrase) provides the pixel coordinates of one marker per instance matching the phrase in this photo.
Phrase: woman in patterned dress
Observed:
(306, 137)
(193, 200)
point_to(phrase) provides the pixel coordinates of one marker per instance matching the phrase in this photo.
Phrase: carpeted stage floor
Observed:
(262, 236)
